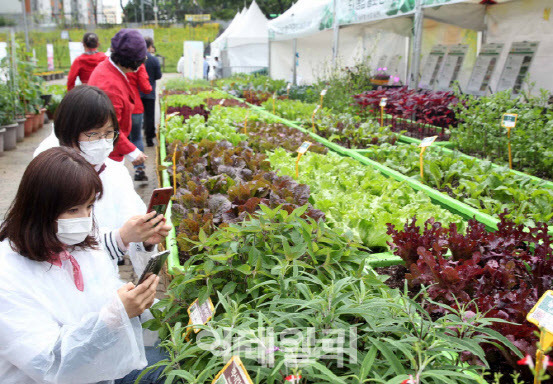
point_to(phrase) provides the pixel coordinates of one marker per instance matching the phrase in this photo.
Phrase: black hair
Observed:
(126, 62)
(83, 108)
(30, 224)
(149, 42)
(90, 40)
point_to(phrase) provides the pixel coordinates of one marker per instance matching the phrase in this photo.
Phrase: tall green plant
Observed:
(294, 297)
(480, 133)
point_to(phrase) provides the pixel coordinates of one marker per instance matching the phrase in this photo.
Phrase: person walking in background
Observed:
(128, 53)
(149, 99)
(84, 65)
(217, 68)
(140, 84)
(206, 68)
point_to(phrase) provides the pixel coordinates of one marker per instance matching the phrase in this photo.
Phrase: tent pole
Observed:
(336, 35)
(269, 63)
(294, 66)
(417, 43)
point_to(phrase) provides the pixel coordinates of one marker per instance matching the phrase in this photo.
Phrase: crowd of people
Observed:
(65, 315)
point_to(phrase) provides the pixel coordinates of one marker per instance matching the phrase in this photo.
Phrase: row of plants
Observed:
(279, 278)
(479, 131)
(499, 274)
(358, 199)
(423, 106)
(230, 271)
(346, 129)
(293, 298)
(477, 183)
(218, 183)
(22, 99)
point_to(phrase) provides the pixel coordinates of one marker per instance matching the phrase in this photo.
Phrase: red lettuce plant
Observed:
(218, 183)
(424, 108)
(186, 111)
(502, 273)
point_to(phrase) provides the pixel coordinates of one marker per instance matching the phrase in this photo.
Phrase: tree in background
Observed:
(174, 10)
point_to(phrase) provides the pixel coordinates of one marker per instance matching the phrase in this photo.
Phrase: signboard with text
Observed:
(486, 62)
(432, 66)
(517, 66)
(453, 63)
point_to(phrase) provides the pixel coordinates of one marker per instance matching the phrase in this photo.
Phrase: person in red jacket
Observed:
(140, 82)
(84, 65)
(128, 53)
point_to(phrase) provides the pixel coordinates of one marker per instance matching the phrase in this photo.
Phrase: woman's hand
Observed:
(138, 229)
(162, 230)
(136, 299)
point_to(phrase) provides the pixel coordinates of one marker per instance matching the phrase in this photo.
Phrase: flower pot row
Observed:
(13, 133)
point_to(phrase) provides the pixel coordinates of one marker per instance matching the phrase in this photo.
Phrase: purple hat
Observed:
(129, 43)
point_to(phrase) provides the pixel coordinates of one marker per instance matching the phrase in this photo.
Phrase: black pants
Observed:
(149, 118)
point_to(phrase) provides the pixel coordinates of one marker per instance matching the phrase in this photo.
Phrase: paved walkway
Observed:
(14, 162)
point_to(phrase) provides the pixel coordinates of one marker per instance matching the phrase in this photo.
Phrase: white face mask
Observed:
(96, 152)
(74, 231)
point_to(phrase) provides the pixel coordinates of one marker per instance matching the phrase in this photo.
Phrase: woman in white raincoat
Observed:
(86, 120)
(65, 317)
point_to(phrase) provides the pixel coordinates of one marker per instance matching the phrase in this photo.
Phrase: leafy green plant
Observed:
(197, 129)
(479, 131)
(472, 181)
(293, 109)
(351, 131)
(280, 275)
(218, 184)
(357, 198)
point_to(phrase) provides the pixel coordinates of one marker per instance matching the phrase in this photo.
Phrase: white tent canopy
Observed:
(376, 29)
(243, 46)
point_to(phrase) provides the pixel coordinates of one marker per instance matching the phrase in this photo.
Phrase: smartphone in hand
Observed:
(154, 265)
(160, 199)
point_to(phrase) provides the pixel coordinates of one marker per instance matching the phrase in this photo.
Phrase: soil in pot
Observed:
(10, 136)
(29, 122)
(20, 129)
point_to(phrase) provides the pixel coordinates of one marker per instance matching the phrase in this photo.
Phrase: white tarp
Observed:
(217, 44)
(519, 21)
(304, 18)
(246, 45)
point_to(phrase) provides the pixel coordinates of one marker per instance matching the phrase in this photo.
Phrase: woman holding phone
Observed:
(65, 317)
(86, 121)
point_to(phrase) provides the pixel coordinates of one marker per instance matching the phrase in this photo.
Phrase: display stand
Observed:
(453, 63)
(486, 62)
(517, 65)
(432, 66)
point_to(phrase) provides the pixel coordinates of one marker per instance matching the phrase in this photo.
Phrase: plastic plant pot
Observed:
(36, 121)
(10, 136)
(29, 122)
(41, 121)
(20, 129)
(2, 131)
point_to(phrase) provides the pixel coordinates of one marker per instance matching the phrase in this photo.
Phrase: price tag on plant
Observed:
(509, 120)
(171, 115)
(274, 96)
(222, 102)
(233, 372)
(542, 313)
(428, 141)
(200, 314)
(288, 86)
(304, 147)
(383, 102)
(323, 92)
